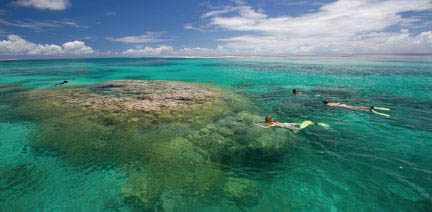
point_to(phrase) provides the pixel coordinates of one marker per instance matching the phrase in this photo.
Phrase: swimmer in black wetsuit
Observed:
(61, 83)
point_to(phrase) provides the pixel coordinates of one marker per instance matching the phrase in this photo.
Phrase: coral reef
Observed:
(176, 164)
(20, 178)
(234, 139)
(167, 135)
(127, 95)
(9, 89)
(243, 191)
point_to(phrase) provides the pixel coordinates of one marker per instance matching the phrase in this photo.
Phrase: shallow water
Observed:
(364, 162)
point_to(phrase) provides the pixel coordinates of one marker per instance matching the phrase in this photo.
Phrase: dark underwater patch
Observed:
(138, 77)
(49, 72)
(10, 89)
(21, 178)
(149, 64)
(244, 84)
(175, 70)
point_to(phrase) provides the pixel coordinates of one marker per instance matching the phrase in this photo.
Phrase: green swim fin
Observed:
(381, 108)
(382, 114)
(324, 125)
(305, 124)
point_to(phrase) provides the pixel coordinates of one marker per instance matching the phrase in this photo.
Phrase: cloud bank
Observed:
(339, 27)
(166, 50)
(15, 45)
(44, 4)
(344, 26)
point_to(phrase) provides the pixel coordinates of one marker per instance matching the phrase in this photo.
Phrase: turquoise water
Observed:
(365, 162)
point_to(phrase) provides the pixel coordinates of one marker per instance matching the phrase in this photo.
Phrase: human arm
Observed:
(262, 125)
(301, 94)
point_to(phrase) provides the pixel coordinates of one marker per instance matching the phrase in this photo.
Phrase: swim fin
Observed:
(382, 114)
(381, 108)
(305, 124)
(324, 125)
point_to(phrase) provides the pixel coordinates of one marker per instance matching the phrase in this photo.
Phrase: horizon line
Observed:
(230, 56)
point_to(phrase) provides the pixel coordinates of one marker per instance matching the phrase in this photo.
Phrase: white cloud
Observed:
(40, 25)
(15, 45)
(218, 12)
(44, 4)
(112, 13)
(344, 26)
(149, 37)
(165, 50)
(71, 23)
(29, 24)
(190, 27)
(144, 51)
(203, 51)
(76, 47)
(301, 3)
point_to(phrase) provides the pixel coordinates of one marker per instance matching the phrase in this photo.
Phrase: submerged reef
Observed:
(9, 89)
(8, 97)
(170, 137)
(20, 178)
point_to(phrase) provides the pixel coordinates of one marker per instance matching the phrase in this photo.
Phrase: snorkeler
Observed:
(269, 120)
(297, 93)
(361, 108)
(337, 104)
(61, 83)
(293, 126)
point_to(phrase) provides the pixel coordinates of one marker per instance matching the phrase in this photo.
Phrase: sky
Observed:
(143, 28)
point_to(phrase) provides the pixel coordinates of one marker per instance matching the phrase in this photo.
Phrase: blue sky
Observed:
(136, 28)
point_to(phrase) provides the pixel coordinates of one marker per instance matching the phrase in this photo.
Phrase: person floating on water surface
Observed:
(337, 104)
(293, 126)
(361, 108)
(61, 83)
(297, 93)
(269, 120)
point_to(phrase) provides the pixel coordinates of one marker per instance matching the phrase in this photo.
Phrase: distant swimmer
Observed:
(361, 108)
(61, 83)
(298, 93)
(293, 126)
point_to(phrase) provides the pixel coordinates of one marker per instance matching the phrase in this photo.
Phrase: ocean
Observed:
(362, 162)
